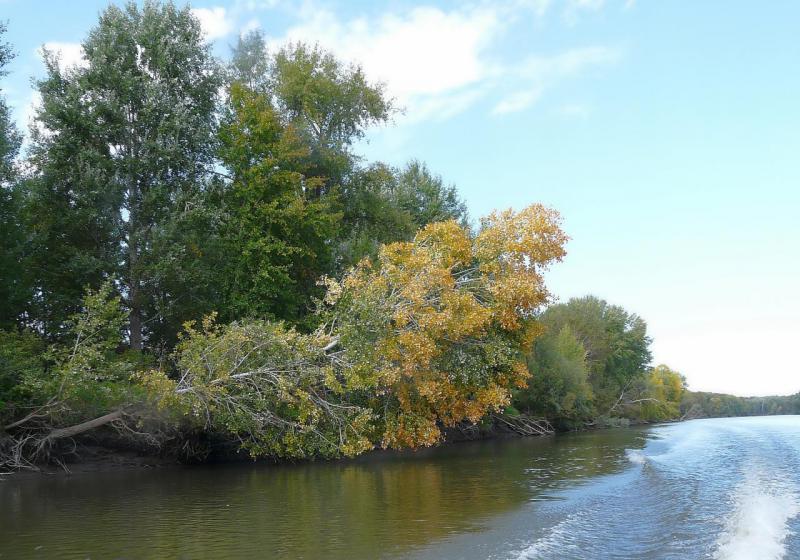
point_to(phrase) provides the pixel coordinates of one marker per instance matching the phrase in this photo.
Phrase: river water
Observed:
(719, 489)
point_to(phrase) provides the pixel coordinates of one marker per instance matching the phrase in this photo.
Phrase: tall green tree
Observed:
(9, 135)
(12, 290)
(277, 233)
(124, 145)
(250, 62)
(331, 104)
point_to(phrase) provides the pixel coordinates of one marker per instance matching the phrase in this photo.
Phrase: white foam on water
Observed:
(758, 525)
(635, 456)
(555, 540)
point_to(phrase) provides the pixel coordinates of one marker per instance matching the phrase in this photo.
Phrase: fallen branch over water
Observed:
(524, 425)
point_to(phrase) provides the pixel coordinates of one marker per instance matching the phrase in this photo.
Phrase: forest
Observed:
(195, 261)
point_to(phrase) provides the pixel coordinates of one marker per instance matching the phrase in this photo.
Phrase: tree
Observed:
(558, 388)
(435, 330)
(272, 390)
(429, 336)
(250, 62)
(616, 344)
(658, 395)
(330, 103)
(125, 146)
(426, 198)
(72, 387)
(371, 216)
(276, 231)
(382, 204)
(9, 135)
(13, 292)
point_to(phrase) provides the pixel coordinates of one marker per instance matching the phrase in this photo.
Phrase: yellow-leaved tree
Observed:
(434, 332)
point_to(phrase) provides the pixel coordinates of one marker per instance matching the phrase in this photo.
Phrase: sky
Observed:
(666, 133)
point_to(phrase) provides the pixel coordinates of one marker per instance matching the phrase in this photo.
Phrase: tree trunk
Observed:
(135, 325)
(135, 316)
(84, 426)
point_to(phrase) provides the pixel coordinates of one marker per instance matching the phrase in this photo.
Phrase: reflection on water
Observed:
(383, 505)
(724, 489)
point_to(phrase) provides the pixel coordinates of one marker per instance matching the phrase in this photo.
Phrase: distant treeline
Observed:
(715, 405)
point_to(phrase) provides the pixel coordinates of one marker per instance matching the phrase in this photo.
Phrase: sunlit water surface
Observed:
(720, 489)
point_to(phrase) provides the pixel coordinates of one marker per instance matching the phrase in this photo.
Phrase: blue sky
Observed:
(666, 133)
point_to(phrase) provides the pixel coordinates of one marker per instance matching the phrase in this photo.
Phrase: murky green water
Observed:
(628, 493)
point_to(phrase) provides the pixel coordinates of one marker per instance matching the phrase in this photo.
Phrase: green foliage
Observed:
(68, 383)
(591, 362)
(698, 404)
(10, 138)
(331, 104)
(86, 375)
(382, 205)
(13, 291)
(272, 389)
(616, 343)
(21, 358)
(559, 385)
(660, 395)
(276, 232)
(250, 62)
(426, 198)
(123, 142)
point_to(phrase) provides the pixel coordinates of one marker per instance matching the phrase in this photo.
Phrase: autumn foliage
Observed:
(436, 329)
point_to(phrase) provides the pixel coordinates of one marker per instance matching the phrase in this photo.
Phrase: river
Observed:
(719, 489)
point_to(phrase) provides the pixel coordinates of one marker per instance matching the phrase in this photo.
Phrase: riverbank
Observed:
(94, 456)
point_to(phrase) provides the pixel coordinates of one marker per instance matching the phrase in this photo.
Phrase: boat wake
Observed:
(759, 522)
(636, 457)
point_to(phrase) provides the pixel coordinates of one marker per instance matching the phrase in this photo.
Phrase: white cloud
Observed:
(216, 22)
(425, 56)
(435, 62)
(69, 54)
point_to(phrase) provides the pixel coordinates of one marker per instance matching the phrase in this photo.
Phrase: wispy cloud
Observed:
(539, 73)
(517, 101)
